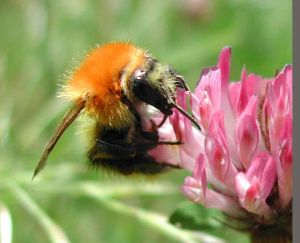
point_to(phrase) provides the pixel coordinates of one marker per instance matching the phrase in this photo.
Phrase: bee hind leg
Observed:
(128, 158)
(104, 149)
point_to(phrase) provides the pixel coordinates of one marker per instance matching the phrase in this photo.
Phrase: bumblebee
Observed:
(115, 86)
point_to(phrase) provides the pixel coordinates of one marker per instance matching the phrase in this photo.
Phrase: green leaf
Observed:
(194, 216)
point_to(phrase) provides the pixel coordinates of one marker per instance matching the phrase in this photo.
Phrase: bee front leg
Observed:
(169, 143)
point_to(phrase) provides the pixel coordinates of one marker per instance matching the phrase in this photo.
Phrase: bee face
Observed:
(111, 86)
(154, 90)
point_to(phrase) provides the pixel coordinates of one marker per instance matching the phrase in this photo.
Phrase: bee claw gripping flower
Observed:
(242, 158)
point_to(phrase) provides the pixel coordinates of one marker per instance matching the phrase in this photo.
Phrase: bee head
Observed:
(156, 85)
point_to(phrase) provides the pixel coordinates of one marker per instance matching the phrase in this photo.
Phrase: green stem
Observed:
(152, 219)
(54, 232)
(104, 193)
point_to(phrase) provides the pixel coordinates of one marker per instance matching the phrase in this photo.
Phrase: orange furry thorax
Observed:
(98, 80)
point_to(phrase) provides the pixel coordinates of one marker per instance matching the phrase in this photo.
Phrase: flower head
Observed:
(241, 160)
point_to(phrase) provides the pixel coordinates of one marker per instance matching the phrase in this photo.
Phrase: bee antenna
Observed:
(69, 117)
(183, 112)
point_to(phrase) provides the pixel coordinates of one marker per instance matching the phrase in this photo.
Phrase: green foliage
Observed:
(39, 40)
(193, 216)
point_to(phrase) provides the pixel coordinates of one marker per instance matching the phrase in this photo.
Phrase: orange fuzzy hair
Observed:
(98, 82)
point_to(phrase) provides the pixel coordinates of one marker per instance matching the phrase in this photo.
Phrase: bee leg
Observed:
(104, 149)
(142, 148)
(169, 143)
(153, 134)
(128, 159)
(150, 135)
(163, 121)
(125, 159)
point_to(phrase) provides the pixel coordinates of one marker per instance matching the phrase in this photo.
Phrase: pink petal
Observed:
(181, 98)
(215, 82)
(234, 93)
(243, 97)
(264, 169)
(194, 103)
(217, 152)
(166, 154)
(191, 182)
(286, 156)
(242, 184)
(285, 173)
(224, 65)
(193, 191)
(211, 84)
(247, 133)
(176, 154)
(288, 128)
(199, 172)
(176, 123)
(202, 109)
(249, 194)
(282, 81)
(289, 80)
(240, 92)
(252, 196)
(189, 135)
(216, 155)
(187, 161)
(192, 137)
(216, 126)
(277, 107)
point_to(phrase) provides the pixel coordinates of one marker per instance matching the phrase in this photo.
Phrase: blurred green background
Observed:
(40, 40)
